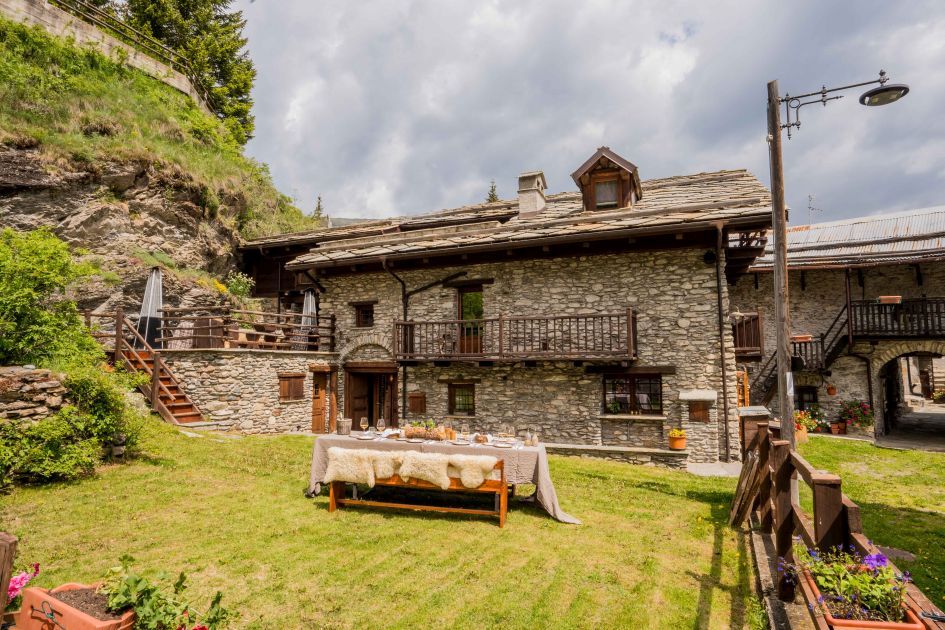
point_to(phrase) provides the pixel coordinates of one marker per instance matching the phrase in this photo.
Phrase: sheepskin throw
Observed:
(351, 465)
(472, 470)
(430, 467)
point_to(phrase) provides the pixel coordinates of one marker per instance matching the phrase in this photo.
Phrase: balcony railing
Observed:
(518, 338)
(917, 317)
(223, 327)
(746, 331)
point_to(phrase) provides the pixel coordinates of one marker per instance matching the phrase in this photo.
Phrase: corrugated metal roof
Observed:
(908, 236)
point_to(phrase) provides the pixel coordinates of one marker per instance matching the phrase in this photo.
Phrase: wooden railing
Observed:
(918, 317)
(127, 344)
(764, 489)
(519, 338)
(747, 333)
(812, 353)
(223, 327)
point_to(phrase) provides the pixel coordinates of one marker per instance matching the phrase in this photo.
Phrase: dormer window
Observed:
(605, 193)
(607, 181)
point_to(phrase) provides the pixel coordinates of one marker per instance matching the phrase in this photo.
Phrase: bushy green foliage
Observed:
(78, 106)
(56, 448)
(157, 605)
(239, 284)
(36, 323)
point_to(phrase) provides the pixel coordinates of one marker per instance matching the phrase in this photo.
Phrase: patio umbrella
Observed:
(309, 321)
(149, 319)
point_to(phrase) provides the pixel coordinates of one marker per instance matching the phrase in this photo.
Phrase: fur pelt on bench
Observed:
(364, 466)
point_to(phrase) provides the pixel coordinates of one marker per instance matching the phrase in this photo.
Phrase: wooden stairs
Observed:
(162, 390)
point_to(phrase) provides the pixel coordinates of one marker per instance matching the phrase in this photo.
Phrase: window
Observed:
(291, 386)
(462, 399)
(633, 394)
(806, 397)
(364, 315)
(605, 194)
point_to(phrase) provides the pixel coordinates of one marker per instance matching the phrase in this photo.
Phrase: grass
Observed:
(81, 108)
(902, 499)
(654, 550)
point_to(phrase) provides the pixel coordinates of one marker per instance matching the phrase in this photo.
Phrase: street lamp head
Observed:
(884, 94)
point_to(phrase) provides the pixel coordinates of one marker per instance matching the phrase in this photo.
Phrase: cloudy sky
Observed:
(402, 106)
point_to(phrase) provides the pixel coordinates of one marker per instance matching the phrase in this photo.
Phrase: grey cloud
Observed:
(403, 107)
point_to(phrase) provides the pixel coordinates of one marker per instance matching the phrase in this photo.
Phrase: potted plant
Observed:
(677, 439)
(804, 423)
(890, 299)
(856, 414)
(831, 389)
(18, 582)
(787, 580)
(851, 591)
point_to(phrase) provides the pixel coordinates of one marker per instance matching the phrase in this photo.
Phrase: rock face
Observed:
(126, 216)
(30, 394)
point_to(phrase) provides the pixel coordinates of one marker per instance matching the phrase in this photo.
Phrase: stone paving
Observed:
(923, 430)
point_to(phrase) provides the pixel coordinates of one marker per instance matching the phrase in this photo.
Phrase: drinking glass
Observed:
(364, 424)
(381, 424)
(464, 429)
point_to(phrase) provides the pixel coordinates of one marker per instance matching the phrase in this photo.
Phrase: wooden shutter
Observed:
(291, 386)
(417, 402)
(698, 411)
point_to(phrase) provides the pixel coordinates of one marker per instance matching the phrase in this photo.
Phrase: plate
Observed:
(502, 444)
(364, 437)
(460, 442)
(415, 440)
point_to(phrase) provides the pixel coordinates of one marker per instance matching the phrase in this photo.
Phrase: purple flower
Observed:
(875, 561)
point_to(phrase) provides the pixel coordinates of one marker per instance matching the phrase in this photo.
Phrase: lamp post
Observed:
(884, 94)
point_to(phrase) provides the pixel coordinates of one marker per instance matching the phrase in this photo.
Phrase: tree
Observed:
(210, 37)
(493, 194)
(319, 211)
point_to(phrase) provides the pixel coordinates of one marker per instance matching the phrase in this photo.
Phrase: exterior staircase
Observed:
(162, 390)
(919, 318)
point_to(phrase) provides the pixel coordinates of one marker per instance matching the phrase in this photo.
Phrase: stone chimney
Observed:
(531, 193)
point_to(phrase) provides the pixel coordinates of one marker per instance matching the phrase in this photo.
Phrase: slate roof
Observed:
(670, 204)
(893, 238)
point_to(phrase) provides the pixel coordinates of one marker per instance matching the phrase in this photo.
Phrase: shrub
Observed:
(939, 396)
(855, 412)
(239, 284)
(56, 448)
(100, 396)
(36, 322)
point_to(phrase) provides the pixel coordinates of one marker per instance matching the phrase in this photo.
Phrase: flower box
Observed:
(40, 611)
(422, 433)
(912, 623)
(802, 338)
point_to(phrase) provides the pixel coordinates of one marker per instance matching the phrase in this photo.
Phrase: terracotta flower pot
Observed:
(800, 435)
(912, 620)
(890, 299)
(677, 443)
(831, 390)
(39, 608)
(838, 428)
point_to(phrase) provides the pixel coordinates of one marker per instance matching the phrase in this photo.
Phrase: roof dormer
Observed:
(607, 181)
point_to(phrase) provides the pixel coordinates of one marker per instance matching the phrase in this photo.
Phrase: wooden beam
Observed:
(7, 553)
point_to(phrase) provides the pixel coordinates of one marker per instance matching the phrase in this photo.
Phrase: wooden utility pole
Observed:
(782, 310)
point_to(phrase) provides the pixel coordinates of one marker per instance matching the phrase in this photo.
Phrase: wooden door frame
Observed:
(322, 379)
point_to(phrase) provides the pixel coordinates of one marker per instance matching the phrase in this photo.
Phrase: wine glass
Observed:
(364, 424)
(464, 429)
(381, 424)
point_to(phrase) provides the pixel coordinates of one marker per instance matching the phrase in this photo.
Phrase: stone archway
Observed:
(366, 347)
(886, 351)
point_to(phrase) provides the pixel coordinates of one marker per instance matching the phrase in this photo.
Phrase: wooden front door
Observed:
(371, 395)
(470, 314)
(319, 401)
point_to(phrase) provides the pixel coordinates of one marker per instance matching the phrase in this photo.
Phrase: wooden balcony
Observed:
(559, 337)
(916, 317)
(748, 337)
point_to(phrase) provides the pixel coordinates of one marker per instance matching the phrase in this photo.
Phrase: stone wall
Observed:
(30, 394)
(60, 23)
(672, 292)
(239, 389)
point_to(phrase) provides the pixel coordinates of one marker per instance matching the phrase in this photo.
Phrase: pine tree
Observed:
(493, 194)
(210, 37)
(319, 211)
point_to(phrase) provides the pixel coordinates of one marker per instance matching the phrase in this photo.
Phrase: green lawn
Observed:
(653, 552)
(902, 499)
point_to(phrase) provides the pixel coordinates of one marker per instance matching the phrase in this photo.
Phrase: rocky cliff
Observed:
(125, 216)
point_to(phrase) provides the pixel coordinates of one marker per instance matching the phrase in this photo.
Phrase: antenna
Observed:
(811, 209)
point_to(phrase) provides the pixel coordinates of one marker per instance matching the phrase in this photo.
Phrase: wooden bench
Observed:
(498, 487)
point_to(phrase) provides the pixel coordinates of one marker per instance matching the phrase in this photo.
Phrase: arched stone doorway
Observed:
(902, 410)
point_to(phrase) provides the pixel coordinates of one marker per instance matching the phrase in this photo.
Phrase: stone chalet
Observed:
(599, 317)
(867, 304)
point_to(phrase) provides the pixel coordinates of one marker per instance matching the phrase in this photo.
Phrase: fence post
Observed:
(155, 379)
(630, 339)
(764, 492)
(7, 553)
(119, 335)
(783, 517)
(829, 530)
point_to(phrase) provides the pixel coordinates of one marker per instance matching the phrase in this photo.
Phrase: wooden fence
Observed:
(223, 327)
(764, 488)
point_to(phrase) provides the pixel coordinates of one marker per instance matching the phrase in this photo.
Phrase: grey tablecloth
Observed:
(528, 464)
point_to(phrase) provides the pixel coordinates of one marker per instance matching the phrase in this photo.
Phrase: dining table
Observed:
(523, 464)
